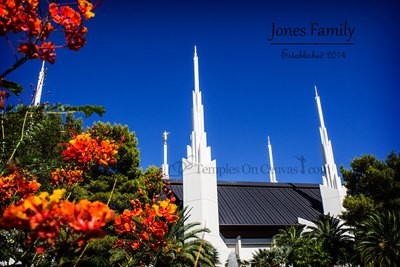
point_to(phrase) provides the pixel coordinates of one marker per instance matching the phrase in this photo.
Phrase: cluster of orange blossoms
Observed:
(26, 16)
(145, 227)
(66, 177)
(15, 185)
(45, 215)
(87, 150)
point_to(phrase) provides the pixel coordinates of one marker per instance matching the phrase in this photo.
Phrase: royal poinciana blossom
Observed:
(145, 228)
(62, 176)
(15, 186)
(30, 18)
(45, 215)
(81, 153)
(85, 150)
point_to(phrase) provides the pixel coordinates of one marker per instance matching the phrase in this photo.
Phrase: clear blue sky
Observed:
(138, 63)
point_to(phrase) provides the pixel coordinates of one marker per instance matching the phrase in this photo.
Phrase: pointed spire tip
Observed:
(316, 91)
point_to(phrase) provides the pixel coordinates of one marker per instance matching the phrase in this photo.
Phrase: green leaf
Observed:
(12, 86)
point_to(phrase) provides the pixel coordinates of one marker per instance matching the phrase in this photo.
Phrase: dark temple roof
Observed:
(267, 204)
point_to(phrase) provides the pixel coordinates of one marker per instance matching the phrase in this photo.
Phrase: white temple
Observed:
(200, 176)
(251, 213)
(332, 191)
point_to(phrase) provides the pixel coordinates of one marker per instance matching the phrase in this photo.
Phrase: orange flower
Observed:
(33, 3)
(33, 25)
(80, 149)
(68, 177)
(47, 29)
(124, 223)
(144, 236)
(45, 215)
(159, 229)
(135, 244)
(86, 150)
(16, 185)
(85, 7)
(147, 227)
(29, 49)
(36, 23)
(47, 51)
(65, 15)
(166, 209)
(76, 39)
(39, 214)
(86, 216)
(106, 152)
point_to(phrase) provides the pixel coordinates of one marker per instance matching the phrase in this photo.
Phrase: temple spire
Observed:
(320, 115)
(199, 173)
(165, 170)
(196, 71)
(331, 178)
(38, 93)
(272, 175)
(198, 151)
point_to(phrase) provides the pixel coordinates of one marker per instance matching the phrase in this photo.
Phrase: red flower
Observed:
(33, 25)
(47, 51)
(148, 227)
(135, 244)
(39, 214)
(29, 49)
(45, 215)
(68, 177)
(47, 29)
(86, 216)
(86, 150)
(144, 236)
(166, 209)
(85, 7)
(65, 15)
(76, 39)
(124, 223)
(14, 185)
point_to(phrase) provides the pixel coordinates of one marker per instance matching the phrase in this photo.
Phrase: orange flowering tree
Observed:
(63, 197)
(43, 226)
(70, 196)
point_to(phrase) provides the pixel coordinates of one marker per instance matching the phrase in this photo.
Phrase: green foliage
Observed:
(289, 236)
(357, 208)
(11, 86)
(371, 184)
(294, 247)
(327, 243)
(88, 110)
(31, 138)
(378, 239)
(335, 238)
(99, 252)
(311, 253)
(290, 239)
(273, 257)
(186, 245)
